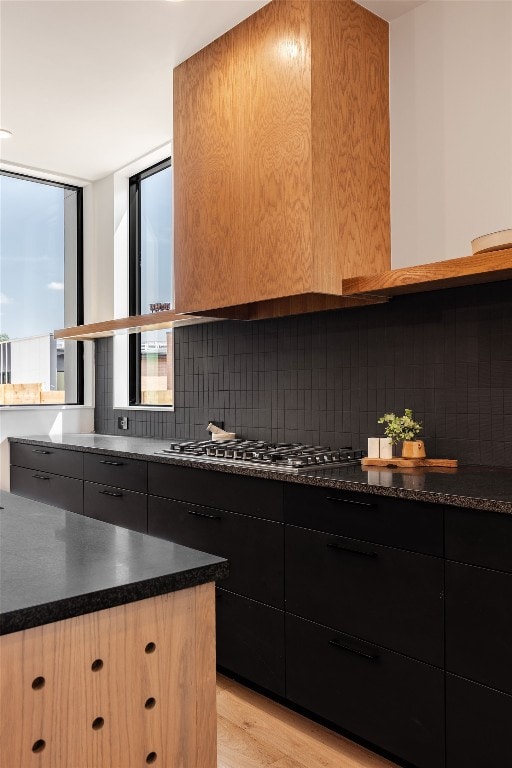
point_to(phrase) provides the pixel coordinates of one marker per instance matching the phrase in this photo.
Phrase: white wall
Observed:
(99, 261)
(451, 128)
(39, 420)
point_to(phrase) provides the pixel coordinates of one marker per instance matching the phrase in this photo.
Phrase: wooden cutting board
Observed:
(399, 462)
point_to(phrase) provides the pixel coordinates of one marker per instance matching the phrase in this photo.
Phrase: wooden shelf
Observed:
(469, 270)
(133, 324)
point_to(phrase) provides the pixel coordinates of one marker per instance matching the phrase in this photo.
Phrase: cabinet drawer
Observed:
(63, 492)
(479, 538)
(253, 547)
(387, 596)
(477, 726)
(246, 495)
(119, 507)
(250, 640)
(479, 624)
(407, 525)
(117, 471)
(48, 459)
(385, 698)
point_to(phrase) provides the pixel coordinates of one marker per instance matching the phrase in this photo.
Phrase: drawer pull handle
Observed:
(202, 514)
(113, 463)
(342, 647)
(37, 450)
(109, 493)
(340, 548)
(40, 477)
(349, 501)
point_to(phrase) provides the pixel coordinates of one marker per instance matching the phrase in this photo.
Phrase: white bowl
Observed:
(494, 241)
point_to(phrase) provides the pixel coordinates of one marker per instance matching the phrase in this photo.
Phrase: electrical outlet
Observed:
(122, 422)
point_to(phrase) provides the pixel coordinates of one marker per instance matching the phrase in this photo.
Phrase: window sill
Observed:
(151, 408)
(43, 407)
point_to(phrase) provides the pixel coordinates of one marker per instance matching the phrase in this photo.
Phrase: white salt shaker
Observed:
(385, 448)
(373, 447)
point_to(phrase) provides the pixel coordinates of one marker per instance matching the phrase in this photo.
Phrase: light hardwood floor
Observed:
(255, 732)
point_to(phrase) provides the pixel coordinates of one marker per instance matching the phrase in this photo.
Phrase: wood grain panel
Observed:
(205, 679)
(208, 103)
(470, 270)
(179, 675)
(277, 191)
(294, 305)
(282, 159)
(350, 128)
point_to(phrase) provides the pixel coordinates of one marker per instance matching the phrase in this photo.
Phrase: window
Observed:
(151, 289)
(40, 290)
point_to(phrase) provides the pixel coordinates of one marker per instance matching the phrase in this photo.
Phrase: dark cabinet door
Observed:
(403, 524)
(250, 640)
(119, 507)
(384, 595)
(46, 458)
(63, 492)
(479, 538)
(478, 721)
(253, 547)
(479, 624)
(254, 496)
(119, 471)
(387, 699)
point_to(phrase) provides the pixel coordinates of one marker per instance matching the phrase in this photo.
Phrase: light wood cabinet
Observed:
(281, 162)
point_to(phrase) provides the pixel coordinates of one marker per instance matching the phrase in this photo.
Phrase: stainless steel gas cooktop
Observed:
(277, 457)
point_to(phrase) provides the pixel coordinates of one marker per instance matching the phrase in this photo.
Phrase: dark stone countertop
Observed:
(485, 488)
(55, 565)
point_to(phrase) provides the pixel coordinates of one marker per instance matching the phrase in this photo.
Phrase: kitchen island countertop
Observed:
(56, 565)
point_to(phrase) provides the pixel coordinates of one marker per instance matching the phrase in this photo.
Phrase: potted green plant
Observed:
(403, 429)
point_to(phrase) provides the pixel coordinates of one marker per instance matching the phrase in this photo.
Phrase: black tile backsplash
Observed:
(325, 378)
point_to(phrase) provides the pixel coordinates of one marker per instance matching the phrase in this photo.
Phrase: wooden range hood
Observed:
(281, 162)
(282, 175)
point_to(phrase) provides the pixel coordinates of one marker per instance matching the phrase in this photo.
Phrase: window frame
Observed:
(79, 288)
(134, 280)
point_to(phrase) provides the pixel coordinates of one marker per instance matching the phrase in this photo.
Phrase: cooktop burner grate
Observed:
(278, 457)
